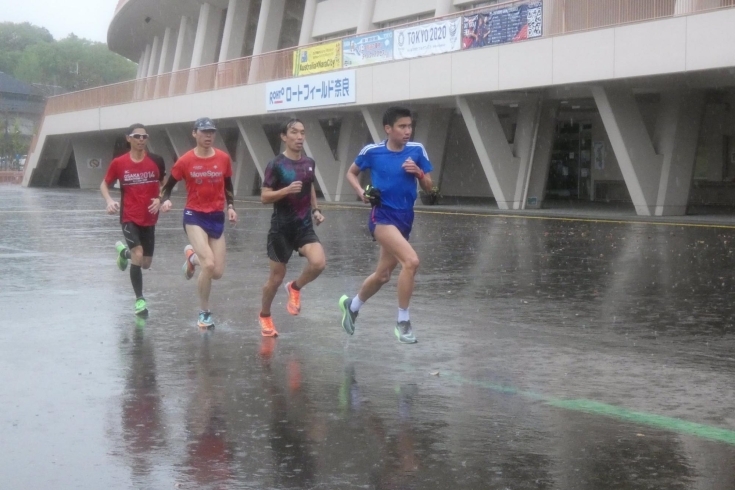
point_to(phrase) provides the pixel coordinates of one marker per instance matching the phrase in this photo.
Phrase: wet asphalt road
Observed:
(552, 354)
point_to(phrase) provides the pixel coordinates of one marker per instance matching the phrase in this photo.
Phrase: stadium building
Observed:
(520, 105)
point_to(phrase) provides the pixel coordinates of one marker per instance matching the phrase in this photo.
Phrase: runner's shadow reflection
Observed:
(209, 456)
(143, 430)
(295, 427)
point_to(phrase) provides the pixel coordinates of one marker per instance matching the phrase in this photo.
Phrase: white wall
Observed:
(335, 16)
(92, 146)
(462, 175)
(386, 10)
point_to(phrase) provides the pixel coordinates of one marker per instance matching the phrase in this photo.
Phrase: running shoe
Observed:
(348, 316)
(122, 260)
(404, 333)
(294, 299)
(205, 319)
(188, 267)
(267, 329)
(141, 308)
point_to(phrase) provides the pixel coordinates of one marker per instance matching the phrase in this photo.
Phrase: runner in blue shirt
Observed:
(395, 165)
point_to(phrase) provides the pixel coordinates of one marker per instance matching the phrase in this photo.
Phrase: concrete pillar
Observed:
(444, 7)
(182, 56)
(245, 171)
(374, 120)
(269, 26)
(150, 84)
(307, 22)
(157, 145)
(431, 131)
(541, 159)
(61, 164)
(270, 22)
(365, 17)
(180, 138)
(236, 25)
(141, 62)
(351, 140)
(95, 146)
(640, 164)
(676, 138)
(317, 147)
(168, 49)
(505, 167)
(205, 43)
(146, 61)
(166, 61)
(155, 57)
(184, 45)
(257, 143)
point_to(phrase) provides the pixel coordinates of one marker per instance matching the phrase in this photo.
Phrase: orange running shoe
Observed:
(267, 329)
(188, 267)
(294, 299)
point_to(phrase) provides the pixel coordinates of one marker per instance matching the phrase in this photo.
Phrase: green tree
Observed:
(30, 53)
(15, 38)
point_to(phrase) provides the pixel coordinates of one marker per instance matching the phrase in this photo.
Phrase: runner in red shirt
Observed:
(207, 172)
(140, 174)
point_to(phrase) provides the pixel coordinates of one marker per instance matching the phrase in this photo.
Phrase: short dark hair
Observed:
(133, 127)
(289, 124)
(394, 113)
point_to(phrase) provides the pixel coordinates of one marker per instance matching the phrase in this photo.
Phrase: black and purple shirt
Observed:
(280, 173)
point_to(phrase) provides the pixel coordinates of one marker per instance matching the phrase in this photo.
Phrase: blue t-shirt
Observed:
(397, 187)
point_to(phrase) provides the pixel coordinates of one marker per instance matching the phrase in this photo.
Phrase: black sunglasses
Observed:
(138, 136)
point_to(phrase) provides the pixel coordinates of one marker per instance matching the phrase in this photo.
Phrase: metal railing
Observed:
(560, 17)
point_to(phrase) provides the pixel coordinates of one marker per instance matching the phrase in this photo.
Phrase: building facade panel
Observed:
(710, 40)
(650, 48)
(475, 71)
(335, 16)
(390, 10)
(430, 77)
(525, 65)
(391, 82)
(584, 57)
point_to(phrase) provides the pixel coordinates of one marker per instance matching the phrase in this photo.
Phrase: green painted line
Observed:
(611, 411)
(649, 419)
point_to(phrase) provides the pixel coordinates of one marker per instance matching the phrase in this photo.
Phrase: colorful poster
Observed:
(427, 39)
(368, 49)
(311, 91)
(317, 59)
(506, 25)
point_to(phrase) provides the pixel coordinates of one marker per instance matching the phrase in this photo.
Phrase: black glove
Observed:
(373, 195)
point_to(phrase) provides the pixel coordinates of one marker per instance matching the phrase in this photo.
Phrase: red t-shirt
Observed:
(139, 184)
(205, 180)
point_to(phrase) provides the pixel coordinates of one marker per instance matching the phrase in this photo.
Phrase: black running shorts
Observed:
(140, 236)
(284, 238)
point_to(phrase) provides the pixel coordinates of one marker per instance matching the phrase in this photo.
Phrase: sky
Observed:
(85, 18)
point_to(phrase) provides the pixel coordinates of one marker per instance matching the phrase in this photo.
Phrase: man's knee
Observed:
(412, 263)
(218, 272)
(276, 278)
(207, 266)
(136, 255)
(319, 265)
(382, 276)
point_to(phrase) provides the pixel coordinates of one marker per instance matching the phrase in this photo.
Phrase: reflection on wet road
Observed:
(552, 354)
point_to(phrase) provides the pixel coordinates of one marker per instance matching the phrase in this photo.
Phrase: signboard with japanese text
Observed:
(427, 39)
(316, 90)
(317, 59)
(506, 25)
(368, 49)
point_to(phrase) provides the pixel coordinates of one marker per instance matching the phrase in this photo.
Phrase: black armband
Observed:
(167, 188)
(229, 192)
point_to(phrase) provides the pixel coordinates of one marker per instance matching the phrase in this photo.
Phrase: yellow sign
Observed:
(317, 59)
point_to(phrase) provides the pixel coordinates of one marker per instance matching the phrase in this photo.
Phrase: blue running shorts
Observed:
(400, 218)
(213, 224)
